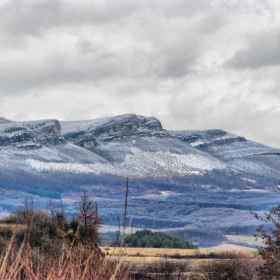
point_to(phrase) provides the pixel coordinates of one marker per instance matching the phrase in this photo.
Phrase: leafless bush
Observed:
(269, 232)
(235, 267)
(44, 245)
(72, 262)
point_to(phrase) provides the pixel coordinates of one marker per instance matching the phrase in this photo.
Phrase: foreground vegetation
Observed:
(46, 245)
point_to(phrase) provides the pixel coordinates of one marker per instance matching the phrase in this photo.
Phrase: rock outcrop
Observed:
(203, 139)
(90, 133)
(30, 135)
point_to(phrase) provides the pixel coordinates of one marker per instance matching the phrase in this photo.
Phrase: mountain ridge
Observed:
(114, 138)
(190, 172)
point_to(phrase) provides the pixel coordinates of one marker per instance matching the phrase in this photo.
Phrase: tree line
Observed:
(147, 238)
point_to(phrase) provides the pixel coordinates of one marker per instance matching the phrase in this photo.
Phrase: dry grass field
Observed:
(227, 247)
(139, 256)
(251, 240)
(165, 252)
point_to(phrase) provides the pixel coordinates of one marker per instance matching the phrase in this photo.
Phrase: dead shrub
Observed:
(235, 267)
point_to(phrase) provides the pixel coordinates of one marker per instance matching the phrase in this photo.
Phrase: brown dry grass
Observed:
(165, 252)
(245, 239)
(86, 263)
(142, 256)
(71, 262)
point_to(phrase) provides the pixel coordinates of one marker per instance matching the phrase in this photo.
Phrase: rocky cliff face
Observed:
(203, 139)
(85, 134)
(89, 133)
(96, 136)
(30, 135)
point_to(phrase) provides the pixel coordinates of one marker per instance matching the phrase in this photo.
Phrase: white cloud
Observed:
(193, 64)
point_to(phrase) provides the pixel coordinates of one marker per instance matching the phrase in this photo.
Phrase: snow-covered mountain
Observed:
(48, 158)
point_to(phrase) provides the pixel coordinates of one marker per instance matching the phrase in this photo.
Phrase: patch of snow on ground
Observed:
(166, 193)
(137, 164)
(195, 172)
(196, 143)
(76, 168)
(206, 187)
(167, 163)
(225, 137)
(250, 180)
(256, 190)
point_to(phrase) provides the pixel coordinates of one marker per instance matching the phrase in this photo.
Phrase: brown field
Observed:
(226, 247)
(165, 252)
(139, 256)
(13, 226)
(245, 239)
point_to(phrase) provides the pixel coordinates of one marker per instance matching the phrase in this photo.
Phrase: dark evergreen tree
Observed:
(147, 238)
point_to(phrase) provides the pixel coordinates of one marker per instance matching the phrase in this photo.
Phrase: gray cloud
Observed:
(159, 46)
(234, 114)
(25, 17)
(185, 62)
(263, 50)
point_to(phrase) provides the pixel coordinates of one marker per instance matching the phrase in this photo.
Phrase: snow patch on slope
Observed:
(166, 163)
(138, 164)
(76, 168)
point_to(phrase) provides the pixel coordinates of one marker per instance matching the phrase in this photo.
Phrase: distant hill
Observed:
(178, 179)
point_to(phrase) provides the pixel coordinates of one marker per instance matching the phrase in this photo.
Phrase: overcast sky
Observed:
(194, 64)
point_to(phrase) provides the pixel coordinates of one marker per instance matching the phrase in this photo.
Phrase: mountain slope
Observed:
(190, 173)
